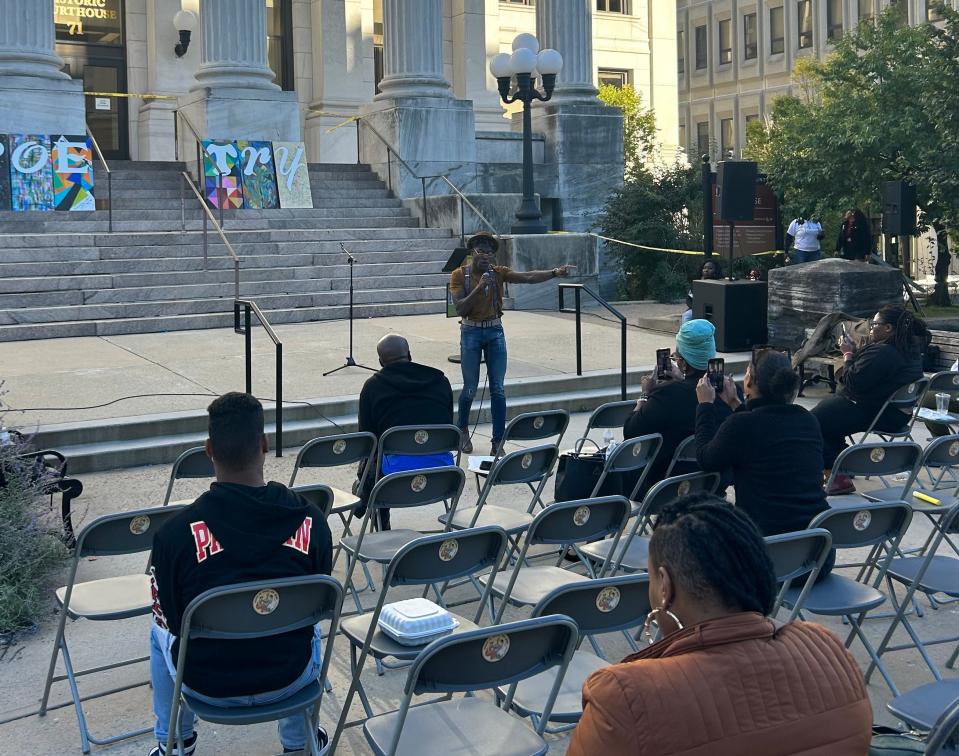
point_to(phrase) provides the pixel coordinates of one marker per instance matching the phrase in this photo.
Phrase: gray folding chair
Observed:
(685, 455)
(796, 555)
(192, 464)
(876, 525)
(427, 561)
(944, 737)
(104, 600)
(259, 609)
(567, 523)
(530, 426)
(879, 460)
(632, 551)
(317, 494)
(402, 490)
(418, 441)
(922, 707)
(906, 399)
(605, 605)
(485, 658)
(609, 415)
(931, 574)
(632, 457)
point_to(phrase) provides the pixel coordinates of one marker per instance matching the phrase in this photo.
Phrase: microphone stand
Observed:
(350, 362)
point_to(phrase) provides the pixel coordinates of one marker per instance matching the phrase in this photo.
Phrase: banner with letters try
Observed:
(46, 172)
(255, 175)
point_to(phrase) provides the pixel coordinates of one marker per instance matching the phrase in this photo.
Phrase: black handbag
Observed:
(578, 472)
(887, 741)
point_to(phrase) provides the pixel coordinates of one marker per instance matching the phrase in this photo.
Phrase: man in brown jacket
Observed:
(724, 680)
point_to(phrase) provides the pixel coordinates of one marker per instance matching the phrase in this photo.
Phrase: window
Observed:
(613, 76)
(682, 137)
(777, 31)
(834, 19)
(726, 142)
(702, 138)
(752, 117)
(279, 41)
(750, 36)
(805, 23)
(613, 6)
(701, 44)
(681, 50)
(377, 46)
(932, 11)
(901, 10)
(725, 42)
(865, 9)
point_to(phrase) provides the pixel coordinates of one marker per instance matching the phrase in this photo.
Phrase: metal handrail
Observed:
(207, 215)
(577, 292)
(106, 166)
(177, 115)
(250, 308)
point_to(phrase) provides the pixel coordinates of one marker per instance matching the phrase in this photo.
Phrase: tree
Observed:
(883, 107)
(639, 125)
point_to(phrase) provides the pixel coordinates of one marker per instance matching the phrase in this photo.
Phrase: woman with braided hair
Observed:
(724, 679)
(871, 373)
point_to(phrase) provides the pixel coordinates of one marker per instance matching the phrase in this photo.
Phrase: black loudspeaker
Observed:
(736, 184)
(736, 308)
(898, 208)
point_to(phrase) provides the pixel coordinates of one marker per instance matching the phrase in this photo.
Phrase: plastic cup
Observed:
(942, 402)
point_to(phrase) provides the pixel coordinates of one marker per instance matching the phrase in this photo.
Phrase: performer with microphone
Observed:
(477, 291)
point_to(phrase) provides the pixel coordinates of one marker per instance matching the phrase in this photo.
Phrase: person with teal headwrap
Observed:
(668, 406)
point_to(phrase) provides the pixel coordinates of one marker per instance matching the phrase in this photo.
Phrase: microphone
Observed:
(349, 255)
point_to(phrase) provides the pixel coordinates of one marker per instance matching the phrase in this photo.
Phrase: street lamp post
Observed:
(516, 79)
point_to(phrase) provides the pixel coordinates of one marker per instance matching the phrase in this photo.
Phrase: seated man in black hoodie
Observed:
(242, 529)
(403, 392)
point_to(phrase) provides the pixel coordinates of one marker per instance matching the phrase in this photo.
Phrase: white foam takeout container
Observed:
(415, 621)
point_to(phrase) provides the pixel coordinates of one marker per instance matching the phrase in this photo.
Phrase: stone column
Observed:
(46, 99)
(413, 50)
(567, 26)
(233, 52)
(475, 41)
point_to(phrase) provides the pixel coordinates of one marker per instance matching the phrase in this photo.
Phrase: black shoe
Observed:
(189, 746)
(466, 445)
(321, 738)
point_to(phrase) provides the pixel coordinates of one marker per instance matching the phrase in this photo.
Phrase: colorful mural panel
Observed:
(258, 175)
(221, 159)
(31, 176)
(4, 174)
(72, 160)
(292, 174)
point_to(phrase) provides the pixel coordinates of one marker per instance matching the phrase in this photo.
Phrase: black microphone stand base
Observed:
(350, 362)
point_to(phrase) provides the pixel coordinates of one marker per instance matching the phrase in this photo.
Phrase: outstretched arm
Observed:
(537, 276)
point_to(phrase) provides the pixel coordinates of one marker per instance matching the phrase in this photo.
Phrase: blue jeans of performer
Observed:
(474, 341)
(802, 256)
(163, 676)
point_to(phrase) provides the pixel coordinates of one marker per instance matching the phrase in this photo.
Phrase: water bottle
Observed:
(4, 436)
(608, 441)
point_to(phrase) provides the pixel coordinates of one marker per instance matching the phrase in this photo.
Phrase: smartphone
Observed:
(662, 364)
(715, 370)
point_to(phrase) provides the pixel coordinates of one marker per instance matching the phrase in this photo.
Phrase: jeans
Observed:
(474, 341)
(163, 676)
(802, 256)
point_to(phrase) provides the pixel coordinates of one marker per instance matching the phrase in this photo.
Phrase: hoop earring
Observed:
(651, 618)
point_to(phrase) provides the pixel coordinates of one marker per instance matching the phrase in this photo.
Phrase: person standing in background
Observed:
(855, 236)
(804, 235)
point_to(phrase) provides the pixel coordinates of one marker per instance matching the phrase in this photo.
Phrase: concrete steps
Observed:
(63, 274)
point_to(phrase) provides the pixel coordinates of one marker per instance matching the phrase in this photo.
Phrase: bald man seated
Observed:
(403, 392)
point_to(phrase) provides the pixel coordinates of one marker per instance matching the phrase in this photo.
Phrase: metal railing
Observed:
(198, 142)
(106, 167)
(249, 309)
(578, 289)
(207, 219)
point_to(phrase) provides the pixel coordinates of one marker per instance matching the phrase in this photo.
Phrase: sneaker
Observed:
(321, 738)
(466, 445)
(841, 484)
(189, 746)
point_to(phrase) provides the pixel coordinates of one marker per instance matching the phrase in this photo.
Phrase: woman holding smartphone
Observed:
(772, 446)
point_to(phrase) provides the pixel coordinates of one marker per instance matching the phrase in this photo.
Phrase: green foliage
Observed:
(661, 207)
(884, 106)
(29, 547)
(639, 125)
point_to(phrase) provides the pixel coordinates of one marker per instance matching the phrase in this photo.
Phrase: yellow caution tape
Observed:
(131, 95)
(699, 253)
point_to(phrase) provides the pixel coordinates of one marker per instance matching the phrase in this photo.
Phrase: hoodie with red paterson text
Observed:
(235, 534)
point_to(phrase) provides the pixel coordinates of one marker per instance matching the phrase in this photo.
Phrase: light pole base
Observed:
(529, 227)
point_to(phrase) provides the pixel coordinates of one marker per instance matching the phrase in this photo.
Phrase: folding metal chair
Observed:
(530, 426)
(192, 464)
(876, 525)
(418, 441)
(104, 600)
(880, 460)
(567, 523)
(402, 490)
(427, 561)
(632, 552)
(609, 415)
(685, 454)
(259, 609)
(795, 555)
(606, 605)
(906, 399)
(931, 574)
(489, 657)
(318, 494)
(944, 737)
(922, 707)
(338, 451)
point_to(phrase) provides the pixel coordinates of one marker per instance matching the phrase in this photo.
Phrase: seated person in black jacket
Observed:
(772, 446)
(242, 529)
(403, 392)
(668, 406)
(870, 375)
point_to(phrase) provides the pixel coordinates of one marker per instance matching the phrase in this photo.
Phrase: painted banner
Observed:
(31, 176)
(258, 175)
(72, 160)
(4, 174)
(221, 159)
(292, 174)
